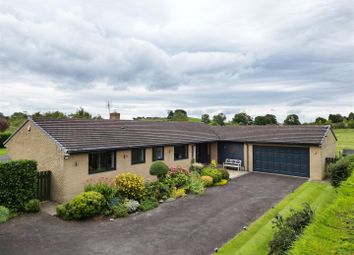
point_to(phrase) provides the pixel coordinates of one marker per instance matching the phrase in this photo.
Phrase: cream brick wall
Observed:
(214, 151)
(36, 145)
(318, 157)
(76, 168)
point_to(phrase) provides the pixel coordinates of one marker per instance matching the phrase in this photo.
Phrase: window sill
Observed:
(104, 171)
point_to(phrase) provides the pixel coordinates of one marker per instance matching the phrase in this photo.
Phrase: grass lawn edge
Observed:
(256, 238)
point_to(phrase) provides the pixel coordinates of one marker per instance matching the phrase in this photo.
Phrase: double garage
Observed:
(270, 159)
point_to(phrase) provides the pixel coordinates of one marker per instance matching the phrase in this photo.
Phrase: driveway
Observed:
(193, 225)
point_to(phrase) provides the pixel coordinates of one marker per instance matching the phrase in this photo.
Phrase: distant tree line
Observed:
(17, 118)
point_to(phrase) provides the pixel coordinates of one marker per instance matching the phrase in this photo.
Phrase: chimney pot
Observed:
(114, 116)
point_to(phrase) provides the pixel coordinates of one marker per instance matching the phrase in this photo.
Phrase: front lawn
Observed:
(3, 151)
(256, 238)
(345, 139)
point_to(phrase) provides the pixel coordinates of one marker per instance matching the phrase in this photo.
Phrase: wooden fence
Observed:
(43, 185)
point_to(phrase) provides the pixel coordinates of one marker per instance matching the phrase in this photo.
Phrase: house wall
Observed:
(214, 151)
(76, 168)
(32, 143)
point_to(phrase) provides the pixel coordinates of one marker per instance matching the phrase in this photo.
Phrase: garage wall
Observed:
(318, 156)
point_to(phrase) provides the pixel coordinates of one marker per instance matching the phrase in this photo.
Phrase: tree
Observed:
(335, 118)
(81, 114)
(169, 114)
(180, 115)
(55, 115)
(4, 124)
(242, 119)
(351, 116)
(320, 121)
(177, 115)
(271, 119)
(268, 119)
(219, 119)
(292, 119)
(206, 118)
(17, 118)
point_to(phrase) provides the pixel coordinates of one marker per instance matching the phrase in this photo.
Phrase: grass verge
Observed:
(256, 239)
(3, 151)
(332, 231)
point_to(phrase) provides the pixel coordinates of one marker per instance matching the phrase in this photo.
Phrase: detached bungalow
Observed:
(78, 150)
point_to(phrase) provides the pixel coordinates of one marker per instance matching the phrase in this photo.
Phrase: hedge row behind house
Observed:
(3, 138)
(18, 181)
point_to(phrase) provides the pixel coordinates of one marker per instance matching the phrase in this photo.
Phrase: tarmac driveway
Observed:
(193, 225)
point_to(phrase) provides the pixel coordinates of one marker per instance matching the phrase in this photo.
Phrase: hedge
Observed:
(332, 230)
(3, 138)
(18, 181)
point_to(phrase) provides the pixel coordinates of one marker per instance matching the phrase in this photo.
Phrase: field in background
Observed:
(345, 139)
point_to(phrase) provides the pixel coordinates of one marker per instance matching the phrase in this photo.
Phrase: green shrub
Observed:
(214, 173)
(33, 206)
(196, 184)
(208, 180)
(288, 230)
(159, 169)
(130, 185)
(18, 181)
(4, 214)
(3, 137)
(340, 170)
(148, 204)
(159, 190)
(82, 206)
(225, 174)
(120, 210)
(63, 212)
(132, 205)
(221, 183)
(102, 187)
(179, 180)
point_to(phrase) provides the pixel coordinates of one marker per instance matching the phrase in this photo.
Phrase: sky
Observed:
(146, 57)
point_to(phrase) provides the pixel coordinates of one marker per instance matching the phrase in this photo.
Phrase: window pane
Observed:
(157, 153)
(181, 152)
(101, 161)
(138, 155)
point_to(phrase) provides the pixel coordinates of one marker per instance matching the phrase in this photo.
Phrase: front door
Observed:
(203, 153)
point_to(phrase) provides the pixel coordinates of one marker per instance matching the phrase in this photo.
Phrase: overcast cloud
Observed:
(258, 56)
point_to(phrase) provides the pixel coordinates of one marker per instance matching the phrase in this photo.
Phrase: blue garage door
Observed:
(281, 160)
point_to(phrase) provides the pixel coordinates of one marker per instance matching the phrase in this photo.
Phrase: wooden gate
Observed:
(43, 185)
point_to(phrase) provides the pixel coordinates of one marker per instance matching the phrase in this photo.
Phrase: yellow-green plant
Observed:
(208, 180)
(213, 163)
(176, 193)
(130, 185)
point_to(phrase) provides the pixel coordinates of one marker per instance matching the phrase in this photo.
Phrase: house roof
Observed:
(77, 135)
(87, 135)
(301, 134)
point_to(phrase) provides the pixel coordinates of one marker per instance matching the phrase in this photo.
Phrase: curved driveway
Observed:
(193, 225)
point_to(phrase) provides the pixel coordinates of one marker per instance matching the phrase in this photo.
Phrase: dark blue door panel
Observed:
(281, 160)
(229, 150)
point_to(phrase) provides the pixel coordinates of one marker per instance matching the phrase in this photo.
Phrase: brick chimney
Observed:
(114, 116)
